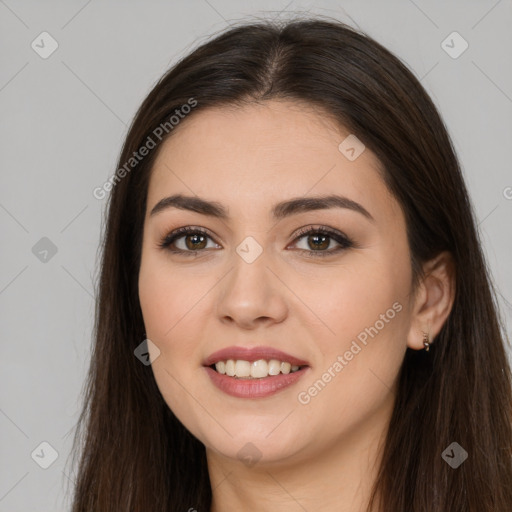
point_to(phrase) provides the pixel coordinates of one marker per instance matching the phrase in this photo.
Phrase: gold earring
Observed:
(426, 341)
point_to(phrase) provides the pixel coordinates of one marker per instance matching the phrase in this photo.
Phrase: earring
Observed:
(426, 341)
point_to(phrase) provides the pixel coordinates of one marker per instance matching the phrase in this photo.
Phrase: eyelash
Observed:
(340, 238)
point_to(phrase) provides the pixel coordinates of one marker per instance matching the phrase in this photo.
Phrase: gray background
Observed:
(63, 120)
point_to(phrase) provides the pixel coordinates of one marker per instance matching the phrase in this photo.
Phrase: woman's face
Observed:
(338, 310)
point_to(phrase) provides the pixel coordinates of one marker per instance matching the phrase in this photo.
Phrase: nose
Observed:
(252, 294)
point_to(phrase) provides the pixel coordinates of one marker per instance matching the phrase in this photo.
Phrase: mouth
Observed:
(259, 369)
(256, 372)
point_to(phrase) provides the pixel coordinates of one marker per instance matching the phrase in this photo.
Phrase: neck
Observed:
(339, 478)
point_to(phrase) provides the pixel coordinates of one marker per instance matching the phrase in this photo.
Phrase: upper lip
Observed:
(252, 354)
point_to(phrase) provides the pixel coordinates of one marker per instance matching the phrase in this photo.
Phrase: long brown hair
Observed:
(136, 456)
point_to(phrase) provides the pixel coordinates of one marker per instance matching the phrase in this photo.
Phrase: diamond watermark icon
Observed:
(249, 454)
(44, 45)
(147, 352)
(454, 455)
(44, 455)
(351, 147)
(249, 250)
(454, 45)
(44, 250)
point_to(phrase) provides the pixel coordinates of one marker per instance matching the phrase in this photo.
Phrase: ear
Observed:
(433, 301)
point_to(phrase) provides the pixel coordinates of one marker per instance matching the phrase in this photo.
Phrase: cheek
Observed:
(354, 379)
(168, 305)
(166, 300)
(350, 299)
(368, 318)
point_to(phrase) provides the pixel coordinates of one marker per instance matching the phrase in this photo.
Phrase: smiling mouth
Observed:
(260, 369)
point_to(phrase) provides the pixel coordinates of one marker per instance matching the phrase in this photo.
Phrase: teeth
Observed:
(256, 370)
(230, 368)
(242, 369)
(274, 367)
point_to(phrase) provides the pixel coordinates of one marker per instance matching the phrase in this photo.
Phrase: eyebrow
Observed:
(279, 210)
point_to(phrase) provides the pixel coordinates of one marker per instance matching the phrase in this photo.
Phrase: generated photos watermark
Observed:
(159, 132)
(304, 397)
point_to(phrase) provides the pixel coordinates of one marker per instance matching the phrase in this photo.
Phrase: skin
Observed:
(322, 455)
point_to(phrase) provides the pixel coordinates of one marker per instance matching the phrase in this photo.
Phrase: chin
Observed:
(264, 442)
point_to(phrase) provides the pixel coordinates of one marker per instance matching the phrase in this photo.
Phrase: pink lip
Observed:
(252, 354)
(254, 388)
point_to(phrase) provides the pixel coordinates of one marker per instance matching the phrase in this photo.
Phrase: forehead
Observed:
(251, 157)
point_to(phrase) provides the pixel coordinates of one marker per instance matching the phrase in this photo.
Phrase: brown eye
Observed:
(187, 240)
(195, 241)
(318, 241)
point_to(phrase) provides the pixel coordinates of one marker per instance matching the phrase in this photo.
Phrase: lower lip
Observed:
(254, 388)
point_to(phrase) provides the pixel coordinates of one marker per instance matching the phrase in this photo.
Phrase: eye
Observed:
(191, 240)
(194, 240)
(318, 240)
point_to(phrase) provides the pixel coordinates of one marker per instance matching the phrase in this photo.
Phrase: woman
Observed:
(294, 310)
